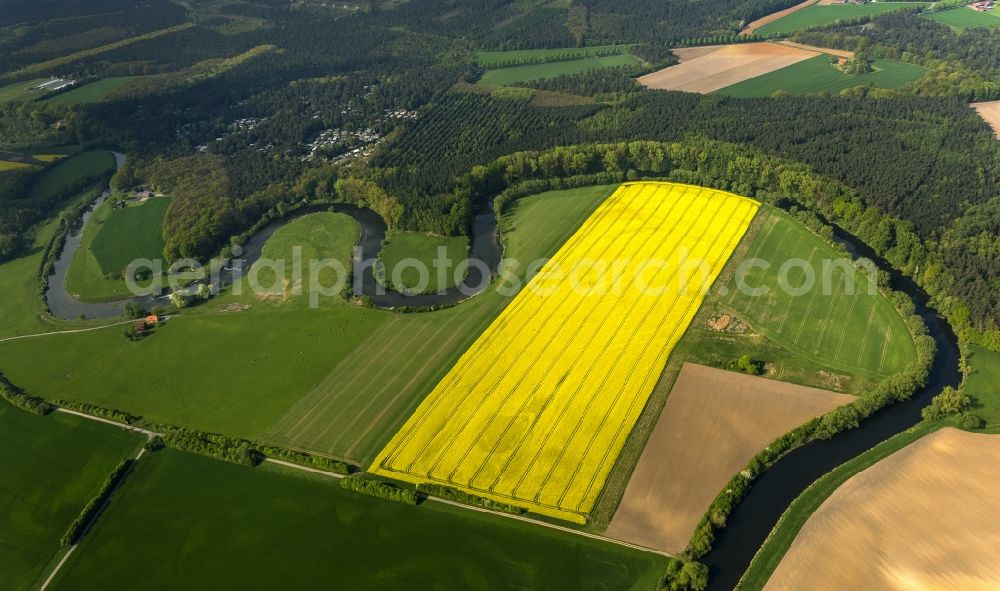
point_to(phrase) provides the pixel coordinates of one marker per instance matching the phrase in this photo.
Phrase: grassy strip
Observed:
(380, 489)
(520, 57)
(791, 522)
(453, 494)
(35, 69)
(79, 525)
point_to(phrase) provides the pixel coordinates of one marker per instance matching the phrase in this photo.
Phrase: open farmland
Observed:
(187, 522)
(990, 112)
(130, 233)
(964, 17)
(924, 518)
(112, 239)
(92, 92)
(401, 249)
(818, 75)
(520, 418)
(354, 410)
(515, 74)
(713, 68)
(50, 466)
(756, 25)
(70, 173)
(982, 384)
(822, 13)
(714, 422)
(846, 327)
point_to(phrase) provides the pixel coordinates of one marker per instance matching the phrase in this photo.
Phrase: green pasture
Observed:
(112, 239)
(187, 522)
(315, 236)
(837, 330)
(405, 253)
(516, 74)
(69, 173)
(50, 467)
(816, 75)
(91, 93)
(965, 18)
(984, 384)
(821, 15)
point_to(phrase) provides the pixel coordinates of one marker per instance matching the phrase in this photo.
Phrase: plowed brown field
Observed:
(714, 422)
(707, 71)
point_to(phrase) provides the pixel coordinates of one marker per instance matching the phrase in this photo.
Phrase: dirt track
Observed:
(708, 71)
(714, 422)
(927, 517)
(991, 113)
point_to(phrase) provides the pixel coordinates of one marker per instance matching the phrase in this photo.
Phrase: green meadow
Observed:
(821, 15)
(188, 522)
(50, 467)
(817, 75)
(422, 248)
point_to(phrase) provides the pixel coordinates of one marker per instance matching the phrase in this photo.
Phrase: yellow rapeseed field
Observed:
(536, 412)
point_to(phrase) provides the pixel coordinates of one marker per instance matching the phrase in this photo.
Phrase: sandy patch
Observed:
(991, 113)
(766, 20)
(926, 517)
(714, 422)
(725, 66)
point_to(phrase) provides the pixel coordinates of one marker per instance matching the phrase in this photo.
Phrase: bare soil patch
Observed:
(991, 113)
(927, 517)
(725, 66)
(826, 50)
(766, 20)
(714, 422)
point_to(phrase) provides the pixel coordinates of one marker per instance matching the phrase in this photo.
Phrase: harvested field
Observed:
(924, 518)
(714, 422)
(764, 20)
(725, 66)
(826, 50)
(536, 412)
(991, 113)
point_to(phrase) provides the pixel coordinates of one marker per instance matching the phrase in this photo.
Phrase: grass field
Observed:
(927, 512)
(316, 236)
(820, 15)
(91, 93)
(714, 422)
(112, 239)
(859, 334)
(984, 384)
(50, 466)
(493, 59)
(71, 172)
(966, 18)
(817, 75)
(188, 522)
(516, 74)
(21, 91)
(425, 249)
(355, 409)
(538, 409)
